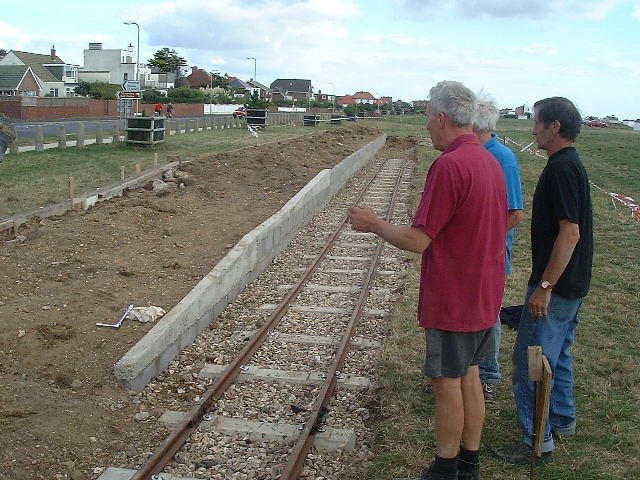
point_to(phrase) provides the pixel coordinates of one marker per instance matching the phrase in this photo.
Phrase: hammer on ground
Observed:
(119, 322)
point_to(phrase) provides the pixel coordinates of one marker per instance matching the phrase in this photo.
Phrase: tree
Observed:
(167, 60)
(3, 53)
(256, 102)
(98, 90)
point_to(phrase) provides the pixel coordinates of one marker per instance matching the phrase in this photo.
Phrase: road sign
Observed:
(129, 95)
(131, 85)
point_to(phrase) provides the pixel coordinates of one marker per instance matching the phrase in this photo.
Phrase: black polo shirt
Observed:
(562, 193)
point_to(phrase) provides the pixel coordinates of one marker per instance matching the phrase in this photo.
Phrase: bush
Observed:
(186, 95)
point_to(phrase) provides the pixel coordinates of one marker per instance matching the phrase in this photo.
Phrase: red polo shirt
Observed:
(463, 209)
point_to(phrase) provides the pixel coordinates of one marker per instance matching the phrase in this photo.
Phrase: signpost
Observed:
(131, 85)
(131, 95)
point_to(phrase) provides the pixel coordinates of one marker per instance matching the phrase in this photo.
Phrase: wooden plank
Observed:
(534, 356)
(543, 396)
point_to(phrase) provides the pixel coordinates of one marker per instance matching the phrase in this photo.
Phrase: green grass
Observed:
(606, 357)
(33, 179)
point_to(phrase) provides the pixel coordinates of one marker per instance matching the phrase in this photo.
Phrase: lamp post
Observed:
(129, 22)
(334, 96)
(211, 74)
(254, 67)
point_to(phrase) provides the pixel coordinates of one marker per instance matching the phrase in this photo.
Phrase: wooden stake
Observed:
(155, 159)
(122, 173)
(71, 192)
(138, 168)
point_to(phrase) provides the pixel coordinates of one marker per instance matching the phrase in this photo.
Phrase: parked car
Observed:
(597, 123)
(240, 112)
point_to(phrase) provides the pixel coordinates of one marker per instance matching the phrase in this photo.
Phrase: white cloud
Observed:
(525, 9)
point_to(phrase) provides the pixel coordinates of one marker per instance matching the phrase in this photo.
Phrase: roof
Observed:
(11, 76)
(363, 96)
(286, 85)
(36, 62)
(198, 78)
(237, 84)
(255, 84)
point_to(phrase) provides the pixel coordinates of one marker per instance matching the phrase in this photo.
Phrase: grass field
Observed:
(606, 358)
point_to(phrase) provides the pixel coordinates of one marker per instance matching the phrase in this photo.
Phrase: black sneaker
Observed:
(428, 389)
(520, 454)
(490, 392)
(429, 474)
(468, 471)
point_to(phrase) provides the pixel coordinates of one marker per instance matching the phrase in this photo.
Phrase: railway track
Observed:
(278, 387)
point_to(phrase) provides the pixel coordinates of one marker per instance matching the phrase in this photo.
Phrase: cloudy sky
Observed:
(515, 50)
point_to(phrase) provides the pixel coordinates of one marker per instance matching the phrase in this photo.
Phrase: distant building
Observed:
(290, 89)
(46, 75)
(109, 65)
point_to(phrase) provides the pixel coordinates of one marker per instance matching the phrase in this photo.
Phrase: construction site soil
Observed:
(62, 414)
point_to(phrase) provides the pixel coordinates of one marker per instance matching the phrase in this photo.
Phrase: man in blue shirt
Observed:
(483, 126)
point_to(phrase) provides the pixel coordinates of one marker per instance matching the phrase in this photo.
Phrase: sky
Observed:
(515, 51)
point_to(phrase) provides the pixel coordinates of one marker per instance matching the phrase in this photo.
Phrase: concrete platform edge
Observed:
(244, 262)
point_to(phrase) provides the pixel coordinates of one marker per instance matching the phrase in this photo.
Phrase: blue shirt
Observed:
(511, 170)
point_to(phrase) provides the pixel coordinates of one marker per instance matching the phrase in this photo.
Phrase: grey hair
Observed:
(454, 100)
(486, 114)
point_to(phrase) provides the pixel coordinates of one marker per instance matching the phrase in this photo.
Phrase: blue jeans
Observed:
(490, 369)
(554, 333)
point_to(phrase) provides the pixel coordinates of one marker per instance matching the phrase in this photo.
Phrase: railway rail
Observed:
(278, 386)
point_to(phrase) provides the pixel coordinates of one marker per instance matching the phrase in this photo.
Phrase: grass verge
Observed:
(606, 362)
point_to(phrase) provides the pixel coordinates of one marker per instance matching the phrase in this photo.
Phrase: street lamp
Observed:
(334, 95)
(254, 67)
(211, 74)
(129, 22)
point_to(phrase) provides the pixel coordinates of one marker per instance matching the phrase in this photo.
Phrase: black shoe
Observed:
(468, 470)
(490, 392)
(520, 454)
(428, 389)
(429, 474)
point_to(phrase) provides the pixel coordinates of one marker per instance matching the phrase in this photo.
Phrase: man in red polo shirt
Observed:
(459, 228)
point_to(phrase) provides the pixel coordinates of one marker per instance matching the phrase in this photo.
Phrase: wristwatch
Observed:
(545, 285)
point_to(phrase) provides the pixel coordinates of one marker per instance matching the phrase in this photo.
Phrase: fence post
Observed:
(116, 133)
(39, 139)
(62, 136)
(80, 140)
(99, 134)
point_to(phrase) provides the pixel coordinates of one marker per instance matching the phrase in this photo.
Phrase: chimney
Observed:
(53, 52)
(194, 69)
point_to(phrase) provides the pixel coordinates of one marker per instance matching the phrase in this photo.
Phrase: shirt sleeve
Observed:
(565, 185)
(514, 188)
(438, 199)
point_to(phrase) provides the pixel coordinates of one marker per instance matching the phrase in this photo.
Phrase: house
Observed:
(109, 65)
(18, 81)
(151, 77)
(264, 92)
(198, 78)
(291, 89)
(53, 76)
(345, 101)
(240, 88)
(363, 97)
(420, 105)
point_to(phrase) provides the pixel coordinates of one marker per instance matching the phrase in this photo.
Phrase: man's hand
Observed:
(362, 219)
(538, 303)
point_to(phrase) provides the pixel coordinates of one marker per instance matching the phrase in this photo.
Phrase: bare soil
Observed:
(62, 415)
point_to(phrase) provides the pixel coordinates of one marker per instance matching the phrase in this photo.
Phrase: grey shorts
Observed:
(450, 354)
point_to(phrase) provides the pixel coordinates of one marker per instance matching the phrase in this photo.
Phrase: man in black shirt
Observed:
(561, 251)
